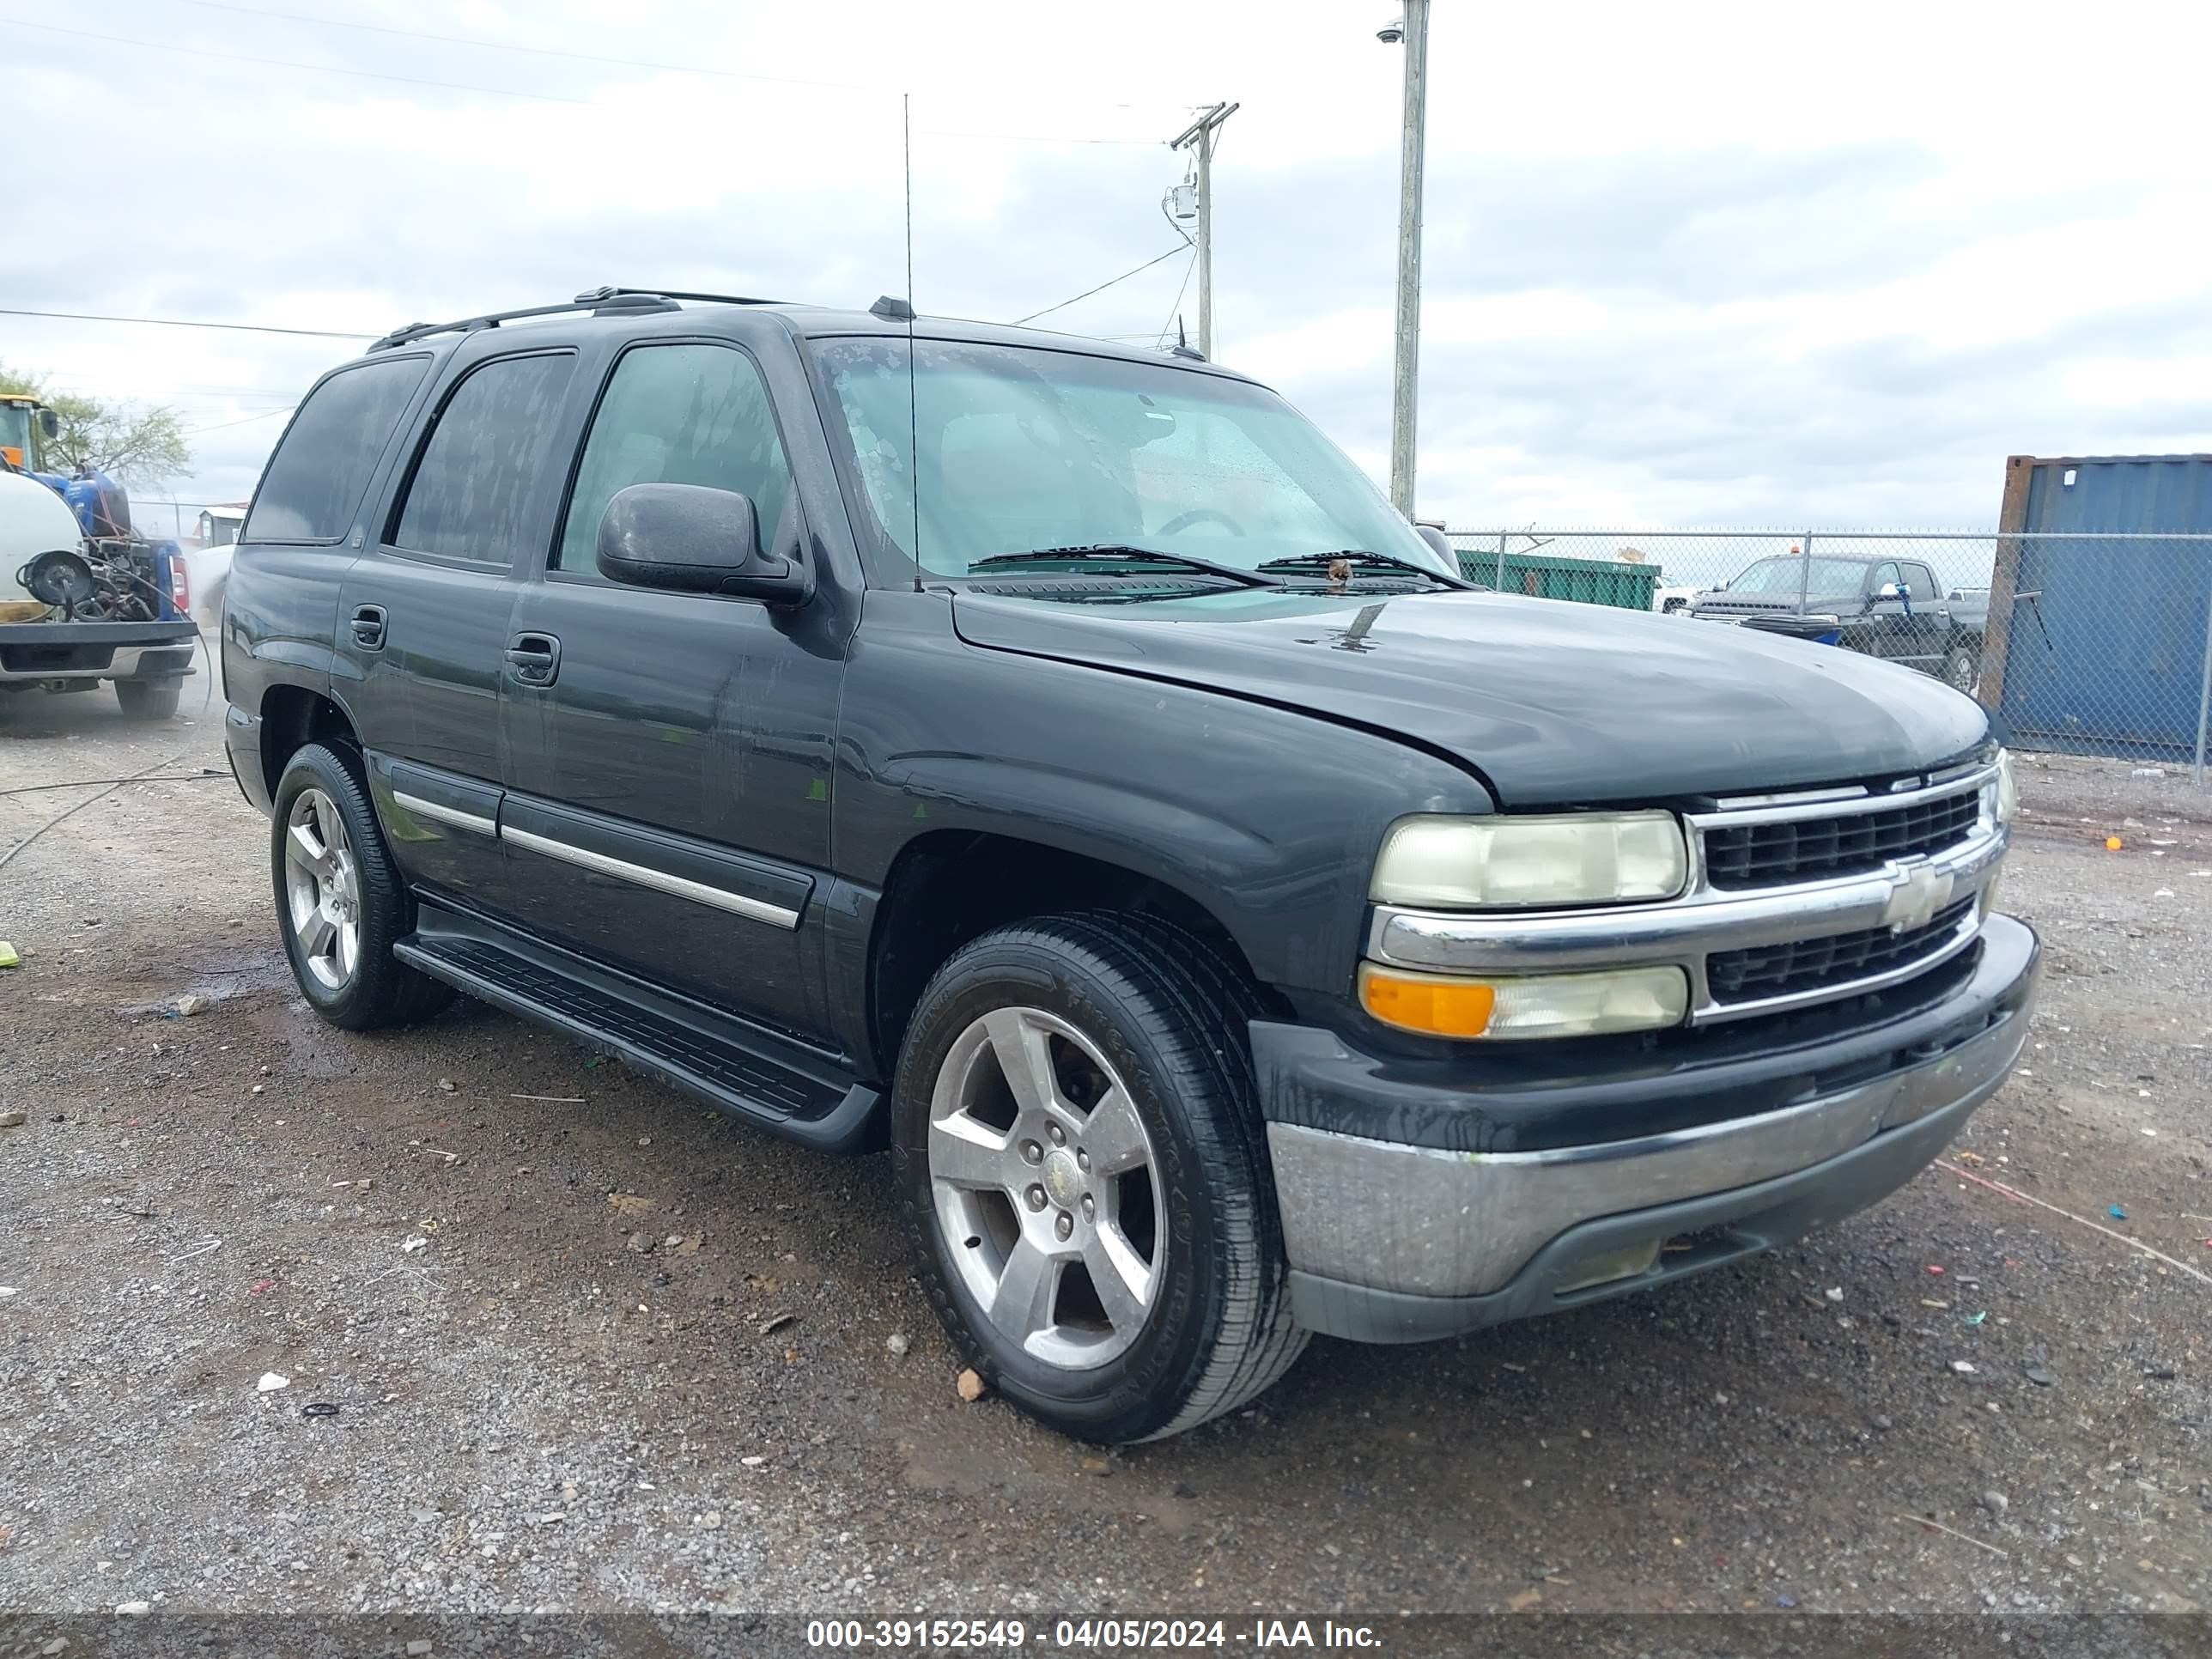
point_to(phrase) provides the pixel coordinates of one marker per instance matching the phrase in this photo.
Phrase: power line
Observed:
(534, 51)
(180, 322)
(497, 92)
(1033, 138)
(1176, 307)
(221, 426)
(625, 62)
(281, 63)
(1102, 287)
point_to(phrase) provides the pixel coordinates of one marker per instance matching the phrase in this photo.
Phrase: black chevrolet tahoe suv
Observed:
(1058, 763)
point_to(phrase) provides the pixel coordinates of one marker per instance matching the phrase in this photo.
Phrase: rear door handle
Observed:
(533, 658)
(369, 627)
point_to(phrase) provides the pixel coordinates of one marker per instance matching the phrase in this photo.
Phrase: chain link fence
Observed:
(2083, 644)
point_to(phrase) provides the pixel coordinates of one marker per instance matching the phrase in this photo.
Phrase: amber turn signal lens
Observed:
(1415, 1002)
(1518, 1005)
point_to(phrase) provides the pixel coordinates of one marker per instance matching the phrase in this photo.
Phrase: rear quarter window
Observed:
(315, 480)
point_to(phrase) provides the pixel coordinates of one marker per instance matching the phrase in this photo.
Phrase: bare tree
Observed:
(139, 443)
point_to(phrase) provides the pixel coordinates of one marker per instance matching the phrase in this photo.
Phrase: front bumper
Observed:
(1393, 1242)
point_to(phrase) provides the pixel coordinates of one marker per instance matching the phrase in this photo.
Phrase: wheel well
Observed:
(292, 717)
(952, 886)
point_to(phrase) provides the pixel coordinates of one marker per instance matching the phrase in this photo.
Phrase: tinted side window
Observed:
(314, 481)
(1879, 576)
(483, 465)
(677, 414)
(1920, 582)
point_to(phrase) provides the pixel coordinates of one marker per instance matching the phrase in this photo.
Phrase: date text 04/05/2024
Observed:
(1098, 1635)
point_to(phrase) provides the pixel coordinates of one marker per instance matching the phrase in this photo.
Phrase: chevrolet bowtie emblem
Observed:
(1921, 891)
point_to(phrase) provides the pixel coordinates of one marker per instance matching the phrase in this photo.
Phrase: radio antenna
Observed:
(897, 311)
(913, 421)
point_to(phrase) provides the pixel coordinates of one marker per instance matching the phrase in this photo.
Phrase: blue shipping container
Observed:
(2117, 665)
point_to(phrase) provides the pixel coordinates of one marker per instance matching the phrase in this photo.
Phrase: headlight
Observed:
(1530, 1005)
(1587, 858)
(2007, 801)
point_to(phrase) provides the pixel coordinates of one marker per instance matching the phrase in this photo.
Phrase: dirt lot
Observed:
(572, 1392)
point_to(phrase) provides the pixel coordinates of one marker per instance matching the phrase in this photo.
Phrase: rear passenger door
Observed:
(303, 531)
(423, 616)
(670, 810)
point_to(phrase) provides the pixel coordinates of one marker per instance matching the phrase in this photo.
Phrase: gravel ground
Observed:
(607, 1351)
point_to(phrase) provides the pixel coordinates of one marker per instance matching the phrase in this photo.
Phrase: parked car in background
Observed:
(1057, 761)
(1893, 609)
(207, 557)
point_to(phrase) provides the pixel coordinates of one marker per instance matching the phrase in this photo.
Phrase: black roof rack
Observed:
(599, 301)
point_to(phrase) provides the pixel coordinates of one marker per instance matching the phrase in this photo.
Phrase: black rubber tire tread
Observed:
(384, 991)
(148, 700)
(1195, 1006)
(1226, 1001)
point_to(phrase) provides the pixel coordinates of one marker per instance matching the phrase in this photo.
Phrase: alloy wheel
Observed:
(1045, 1184)
(322, 889)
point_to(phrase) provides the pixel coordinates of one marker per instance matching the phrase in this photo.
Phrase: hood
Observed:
(1552, 703)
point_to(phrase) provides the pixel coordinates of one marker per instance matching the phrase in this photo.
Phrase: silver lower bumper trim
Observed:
(1435, 1223)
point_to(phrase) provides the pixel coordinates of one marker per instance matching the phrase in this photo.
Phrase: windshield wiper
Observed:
(1361, 558)
(1122, 554)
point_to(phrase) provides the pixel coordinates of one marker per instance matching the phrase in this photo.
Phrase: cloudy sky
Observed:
(1691, 265)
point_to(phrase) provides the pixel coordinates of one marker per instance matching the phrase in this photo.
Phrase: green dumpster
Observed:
(1544, 576)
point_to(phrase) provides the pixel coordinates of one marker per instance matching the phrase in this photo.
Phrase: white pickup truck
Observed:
(74, 611)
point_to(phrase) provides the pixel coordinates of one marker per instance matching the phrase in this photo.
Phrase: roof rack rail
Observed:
(600, 302)
(677, 294)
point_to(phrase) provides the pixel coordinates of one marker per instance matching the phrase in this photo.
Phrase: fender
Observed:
(1265, 818)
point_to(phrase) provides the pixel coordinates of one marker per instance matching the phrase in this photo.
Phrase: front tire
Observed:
(1080, 1156)
(148, 700)
(340, 900)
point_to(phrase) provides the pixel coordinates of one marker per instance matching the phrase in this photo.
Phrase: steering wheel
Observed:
(1184, 520)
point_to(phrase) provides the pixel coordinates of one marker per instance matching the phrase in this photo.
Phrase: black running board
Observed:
(745, 1072)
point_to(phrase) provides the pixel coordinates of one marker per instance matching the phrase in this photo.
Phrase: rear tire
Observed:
(340, 900)
(1962, 670)
(148, 700)
(1162, 1304)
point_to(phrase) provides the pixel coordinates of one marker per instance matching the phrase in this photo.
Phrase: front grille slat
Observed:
(1776, 853)
(1814, 964)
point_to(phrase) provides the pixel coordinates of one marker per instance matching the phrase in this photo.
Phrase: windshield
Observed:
(1023, 449)
(1790, 576)
(15, 432)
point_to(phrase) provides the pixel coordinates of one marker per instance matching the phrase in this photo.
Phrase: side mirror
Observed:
(687, 539)
(1889, 591)
(1440, 543)
(50, 423)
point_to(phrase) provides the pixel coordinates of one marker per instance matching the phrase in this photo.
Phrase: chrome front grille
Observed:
(1835, 959)
(1793, 900)
(1780, 854)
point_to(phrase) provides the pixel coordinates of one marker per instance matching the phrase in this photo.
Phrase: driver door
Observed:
(1888, 627)
(668, 814)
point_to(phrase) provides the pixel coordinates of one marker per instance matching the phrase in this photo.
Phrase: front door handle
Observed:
(533, 658)
(369, 627)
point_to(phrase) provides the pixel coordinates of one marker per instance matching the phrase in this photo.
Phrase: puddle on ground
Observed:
(221, 976)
